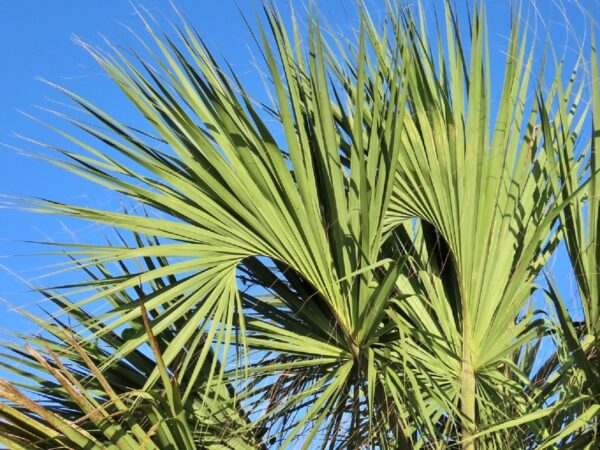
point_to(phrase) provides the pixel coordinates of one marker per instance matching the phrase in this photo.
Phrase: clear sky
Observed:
(36, 41)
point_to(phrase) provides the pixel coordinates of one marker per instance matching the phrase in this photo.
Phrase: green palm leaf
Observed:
(358, 275)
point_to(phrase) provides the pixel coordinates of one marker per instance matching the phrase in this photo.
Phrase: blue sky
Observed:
(36, 41)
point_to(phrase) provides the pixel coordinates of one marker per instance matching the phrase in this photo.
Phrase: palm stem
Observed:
(467, 382)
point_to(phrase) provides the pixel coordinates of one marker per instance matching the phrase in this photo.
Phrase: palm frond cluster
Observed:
(354, 266)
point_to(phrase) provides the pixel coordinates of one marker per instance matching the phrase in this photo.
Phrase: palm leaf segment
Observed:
(390, 233)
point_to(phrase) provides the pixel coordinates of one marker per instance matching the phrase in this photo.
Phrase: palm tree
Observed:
(353, 266)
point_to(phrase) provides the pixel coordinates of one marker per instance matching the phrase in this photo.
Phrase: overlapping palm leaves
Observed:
(84, 407)
(580, 224)
(360, 276)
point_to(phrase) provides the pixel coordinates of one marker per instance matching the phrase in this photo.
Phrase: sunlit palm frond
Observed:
(358, 275)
